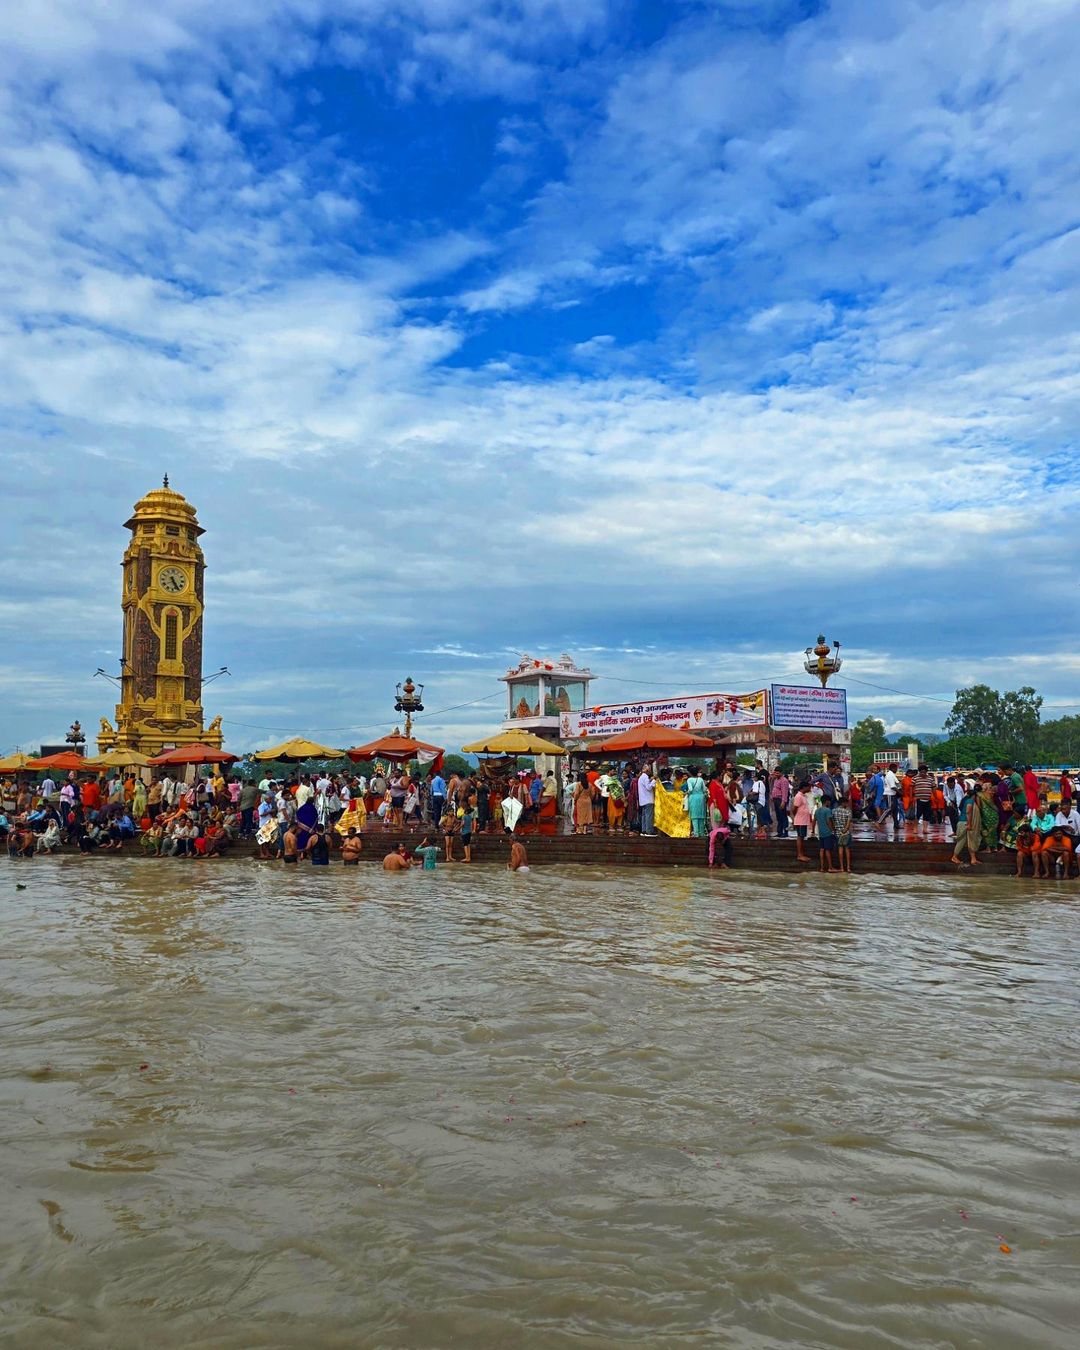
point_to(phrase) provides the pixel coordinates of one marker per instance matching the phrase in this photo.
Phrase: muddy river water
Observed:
(581, 1108)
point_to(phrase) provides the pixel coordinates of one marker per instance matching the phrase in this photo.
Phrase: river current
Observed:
(247, 1107)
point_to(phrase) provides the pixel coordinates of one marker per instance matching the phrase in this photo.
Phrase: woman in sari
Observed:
(968, 830)
(582, 805)
(138, 801)
(989, 816)
(307, 817)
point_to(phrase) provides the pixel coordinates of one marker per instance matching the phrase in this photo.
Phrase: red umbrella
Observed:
(194, 754)
(62, 760)
(652, 736)
(396, 749)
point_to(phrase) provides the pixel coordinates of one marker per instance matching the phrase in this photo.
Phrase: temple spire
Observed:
(166, 483)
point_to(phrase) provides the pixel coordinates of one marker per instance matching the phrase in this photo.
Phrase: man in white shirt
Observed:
(48, 788)
(1069, 820)
(758, 798)
(600, 813)
(646, 795)
(304, 792)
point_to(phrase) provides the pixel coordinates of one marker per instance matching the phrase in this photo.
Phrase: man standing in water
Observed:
(519, 859)
(317, 848)
(398, 861)
(289, 844)
(351, 847)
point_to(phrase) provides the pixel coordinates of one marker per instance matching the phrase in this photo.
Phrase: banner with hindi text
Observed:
(695, 712)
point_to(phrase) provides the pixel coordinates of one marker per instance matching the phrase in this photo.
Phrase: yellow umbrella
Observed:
(119, 759)
(15, 763)
(298, 749)
(513, 743)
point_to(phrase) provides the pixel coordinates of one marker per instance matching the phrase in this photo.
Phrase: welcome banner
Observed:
(697, 712)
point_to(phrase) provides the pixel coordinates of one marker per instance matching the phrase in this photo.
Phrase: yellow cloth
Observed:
(671, 818)
(354, 814)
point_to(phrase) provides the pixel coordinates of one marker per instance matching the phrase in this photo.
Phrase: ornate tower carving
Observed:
(162, 597)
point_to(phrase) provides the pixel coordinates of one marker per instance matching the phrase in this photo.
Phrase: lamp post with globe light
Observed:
(823, 661)
(408, 701)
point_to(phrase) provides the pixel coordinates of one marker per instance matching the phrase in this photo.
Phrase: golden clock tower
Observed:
(161, 668)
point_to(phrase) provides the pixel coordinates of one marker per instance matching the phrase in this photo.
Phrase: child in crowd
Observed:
(449, 824)
(468, 818)
(826, 833)
(842, 824)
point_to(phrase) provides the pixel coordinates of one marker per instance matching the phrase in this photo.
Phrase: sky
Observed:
(665, 334)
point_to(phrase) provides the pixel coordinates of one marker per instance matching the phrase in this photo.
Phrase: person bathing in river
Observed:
(290, 844)
(351, 847)
(398, 861)
(519, 859)
(317, 848)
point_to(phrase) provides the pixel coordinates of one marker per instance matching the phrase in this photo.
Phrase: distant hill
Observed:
(923, 737)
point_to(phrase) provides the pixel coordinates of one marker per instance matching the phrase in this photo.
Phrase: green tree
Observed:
(1058, 742)
(867, 735)
(1021, 714)
(965, 752)
(1011, 719)
(976, 711)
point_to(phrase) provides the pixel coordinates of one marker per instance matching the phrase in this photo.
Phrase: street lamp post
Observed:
(821, 661)
(408, 702)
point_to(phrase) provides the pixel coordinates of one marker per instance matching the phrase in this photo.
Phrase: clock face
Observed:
(172, 579)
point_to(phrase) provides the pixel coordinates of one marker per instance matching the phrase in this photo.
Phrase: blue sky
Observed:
(665, 334)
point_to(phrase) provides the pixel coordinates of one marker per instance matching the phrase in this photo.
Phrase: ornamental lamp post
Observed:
(75, 738)
(408, 702)
(821, 661)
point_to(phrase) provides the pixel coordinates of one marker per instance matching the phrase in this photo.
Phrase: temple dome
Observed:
(164, 503)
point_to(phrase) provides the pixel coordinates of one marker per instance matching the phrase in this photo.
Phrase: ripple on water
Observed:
(246, 1107)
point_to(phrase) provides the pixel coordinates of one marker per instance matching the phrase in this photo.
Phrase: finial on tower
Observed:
(166, 484)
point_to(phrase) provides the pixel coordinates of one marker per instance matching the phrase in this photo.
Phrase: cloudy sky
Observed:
(666, 333)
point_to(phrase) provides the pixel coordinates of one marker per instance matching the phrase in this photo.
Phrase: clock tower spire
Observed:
(162, 599)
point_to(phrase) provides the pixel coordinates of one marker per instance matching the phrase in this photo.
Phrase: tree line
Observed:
(985, 726)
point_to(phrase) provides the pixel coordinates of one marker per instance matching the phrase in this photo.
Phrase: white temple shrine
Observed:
(539, 691)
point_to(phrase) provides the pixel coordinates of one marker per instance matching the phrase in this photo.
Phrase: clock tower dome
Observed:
(162, 598)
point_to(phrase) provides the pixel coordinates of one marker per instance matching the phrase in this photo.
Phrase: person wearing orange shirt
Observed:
(907, 794)
(1057, 846)
(91, 798)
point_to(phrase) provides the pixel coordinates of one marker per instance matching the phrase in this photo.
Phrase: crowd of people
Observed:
(313, 817)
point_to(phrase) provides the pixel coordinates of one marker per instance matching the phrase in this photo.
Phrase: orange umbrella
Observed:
(396, 749)
(652, 736)
(194, 754)
(62, 760)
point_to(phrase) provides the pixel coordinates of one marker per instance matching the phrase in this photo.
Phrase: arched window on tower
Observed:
(171, 625)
